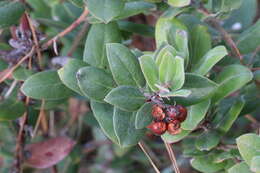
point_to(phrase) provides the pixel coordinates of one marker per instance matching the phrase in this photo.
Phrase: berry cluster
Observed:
(167, 118)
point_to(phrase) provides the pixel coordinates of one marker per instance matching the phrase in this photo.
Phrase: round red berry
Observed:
(174, 127)
(157, 128)
(157, 112)
(182, 113)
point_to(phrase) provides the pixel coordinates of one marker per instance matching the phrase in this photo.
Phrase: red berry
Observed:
(157, 128)
(182, 113)
(157, 112)
(174, 127)
(172, 112)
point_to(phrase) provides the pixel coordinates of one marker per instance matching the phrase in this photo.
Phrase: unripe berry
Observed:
(157, 112)
(182, 113)
(157, 128)
(174, 127)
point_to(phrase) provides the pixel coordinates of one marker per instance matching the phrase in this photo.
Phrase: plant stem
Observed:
(10, 71)
(68, 29)
(172, 157)
(141, 145)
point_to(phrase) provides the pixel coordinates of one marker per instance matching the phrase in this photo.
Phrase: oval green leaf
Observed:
(127, 98)
(144, 116)
(95, 46)
(95, 83)
(68, 73)
(232, 78)
(195, 114)
(45, 85)
(124, 65)
(104, 114)
(125, 130)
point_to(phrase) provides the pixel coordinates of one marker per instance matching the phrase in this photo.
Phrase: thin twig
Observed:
(21, 140)
(172, 157)
(10, 90)
(10, 71)
(35, 40)
(215, 23)
(68, 29)
(141, 145)
(78, 38)
(41, 114)
(226, 37)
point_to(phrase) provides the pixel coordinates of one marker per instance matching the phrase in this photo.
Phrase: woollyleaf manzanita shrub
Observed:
(129, 73)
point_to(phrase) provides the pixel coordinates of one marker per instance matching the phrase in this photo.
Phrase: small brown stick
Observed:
(227, 38)
(253, 121)
(141, 145)
(41, 114)
(68, 29)
(35, 40)
(172, 157)
(20, 140)
(10, 71)
(78, 38)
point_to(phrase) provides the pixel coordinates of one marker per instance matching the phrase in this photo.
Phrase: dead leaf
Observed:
(48, 153)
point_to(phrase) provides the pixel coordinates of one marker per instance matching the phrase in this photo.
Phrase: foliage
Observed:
(116, 60)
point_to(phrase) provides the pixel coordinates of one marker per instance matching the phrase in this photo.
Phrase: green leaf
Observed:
(195, 114)
(248, 146)
(179, 3)
(229, 5)
(226, 155)
(144, 116)
(134, 8)
(205, 164)
(175, 138)
(95, 83)
(209, 60)
(125, 130)
(11, 110)
(165, 30)
(241, 167)
(10, 13)
(124, 65)
(207, 140)
(127, 98)
(95, 46)
(171, 71)
(228, 120)
(178, 93)
(232, 78)
(165, 50)
(247, 41)
(255, 164)
(201, 89)
(105, 10)
(200, 43)
(137, 28)
(45, 85)
(150, 71)
(22, 74)
(130, 9)
(181, 44)
(104, 114)
(68, 73)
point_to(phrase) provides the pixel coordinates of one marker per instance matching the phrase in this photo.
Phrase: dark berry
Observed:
(157, 112)
(182, 113)
(157, 128)
(174, 127)
(172, 112)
